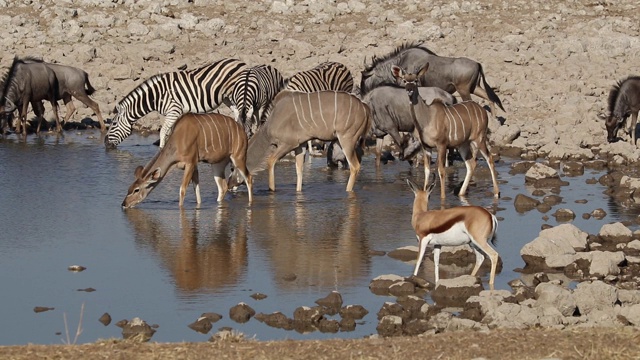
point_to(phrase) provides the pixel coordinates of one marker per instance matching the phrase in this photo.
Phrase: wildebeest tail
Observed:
(492, 95)
(90, 89)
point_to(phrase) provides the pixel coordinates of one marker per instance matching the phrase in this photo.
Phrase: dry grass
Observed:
(601, 343)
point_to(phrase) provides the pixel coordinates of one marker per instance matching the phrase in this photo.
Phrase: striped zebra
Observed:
(329, 75)
(253, 93)
(173, 94)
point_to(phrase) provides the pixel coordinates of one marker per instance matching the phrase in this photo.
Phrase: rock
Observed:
(405, 253)
(137, 330)
(402, 288)
(328, 326)
(390, 325)
(331, 303)
(241, 313)
(308, 315)
(604, 263)
(105, 319)
(39, 309)
(615, 233)
(213, 317)
(380, 285)
(540, 175)
(276, 320)
(202, 325)
(595, 296)
(554, 295)
(258, 296)
(347, 324)
(564, 215)
(355, 312)
(455, 292)
(572, 168)
(524, 203)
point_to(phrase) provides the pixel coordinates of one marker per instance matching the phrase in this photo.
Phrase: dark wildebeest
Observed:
(463, 126)
(29, 83)
(73, 82)
(391, 112)
(298, 117)
(624, 100)
(450, 74)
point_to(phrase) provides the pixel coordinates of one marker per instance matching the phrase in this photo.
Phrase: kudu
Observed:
(298, 117)
(463, 126)
(460, 225)
(29, 83)
(209, 138)
(460, 74)
(73, 82)
(391, 113)
(624, 101)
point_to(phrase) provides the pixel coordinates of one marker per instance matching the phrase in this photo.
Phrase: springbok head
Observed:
(409, 81)
(141, 187)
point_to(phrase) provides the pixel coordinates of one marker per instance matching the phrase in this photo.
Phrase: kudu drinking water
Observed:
(298, 117)
(462, 126)
(29, 83)
(210, 138)
(460, 225)
(624, 101)
(451, 74)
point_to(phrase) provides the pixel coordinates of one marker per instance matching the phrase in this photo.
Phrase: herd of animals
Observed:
(406, 91)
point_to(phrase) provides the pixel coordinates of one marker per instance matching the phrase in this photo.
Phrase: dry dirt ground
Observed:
(516, 28)
(498, 344)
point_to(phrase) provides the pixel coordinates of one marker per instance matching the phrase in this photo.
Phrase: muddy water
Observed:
(60, 206)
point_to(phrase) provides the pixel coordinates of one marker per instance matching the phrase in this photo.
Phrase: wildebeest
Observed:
(29, 83)
(73, 82)
(463, 126)
(298, 117)
(212, 138)
(624, 100)
(451, 74)
(391, 112)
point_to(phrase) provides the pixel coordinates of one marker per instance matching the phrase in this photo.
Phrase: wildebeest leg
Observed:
(299, 152)
(470, 163)
(379, 142)
(218, 174)
(189, 169)
(71, 108)
(54, 107)
(632, 128)
(85, 99)
(349, 149)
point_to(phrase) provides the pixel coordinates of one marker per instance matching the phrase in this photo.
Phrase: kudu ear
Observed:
(155, 175)
(397, 71)
(138, 172)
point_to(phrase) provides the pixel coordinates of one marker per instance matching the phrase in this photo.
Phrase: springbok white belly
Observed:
(455, 236)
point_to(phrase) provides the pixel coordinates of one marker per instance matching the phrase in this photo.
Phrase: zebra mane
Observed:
(375, 60)
(152, 80)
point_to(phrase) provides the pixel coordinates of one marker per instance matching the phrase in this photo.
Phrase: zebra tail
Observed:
(492, 95)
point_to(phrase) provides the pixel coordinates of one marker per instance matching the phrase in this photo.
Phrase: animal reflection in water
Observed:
(201, 253)
(323, 246)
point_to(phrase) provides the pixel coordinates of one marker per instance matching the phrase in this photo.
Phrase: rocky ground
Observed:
(551, 63)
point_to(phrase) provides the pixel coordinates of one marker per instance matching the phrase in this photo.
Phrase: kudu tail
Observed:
(90, 89)
(492, 95)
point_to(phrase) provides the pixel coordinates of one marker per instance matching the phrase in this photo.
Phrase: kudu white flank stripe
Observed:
(437, 126)
(460, 225)
(211, 138)
(288, 129)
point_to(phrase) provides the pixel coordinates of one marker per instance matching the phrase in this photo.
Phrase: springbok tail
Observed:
(492, 95)
(258, 150)
(90, 89)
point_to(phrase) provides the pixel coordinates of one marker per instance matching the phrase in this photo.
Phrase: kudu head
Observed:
(409, 81)
(141, 187)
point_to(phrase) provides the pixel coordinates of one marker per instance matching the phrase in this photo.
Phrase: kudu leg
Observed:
(218, 175)
(426, 154)
(299, 151)
(442, 154)
(195, 180)
(349, 148)
(470, 163)
(484, 150)
(189, 169)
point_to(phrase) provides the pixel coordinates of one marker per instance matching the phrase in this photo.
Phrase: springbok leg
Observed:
(422, 243)
(436, 261)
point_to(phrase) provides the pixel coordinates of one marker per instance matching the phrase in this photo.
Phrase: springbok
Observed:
(298, 117)
(210, 138)
(462, 126)
(460, 225)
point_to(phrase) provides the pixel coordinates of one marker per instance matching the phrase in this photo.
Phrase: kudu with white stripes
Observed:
(209, 138)
(298, 117)
(460, 225)
(172, 94)
(463, 126)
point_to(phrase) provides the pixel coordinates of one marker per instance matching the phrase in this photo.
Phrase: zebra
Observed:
(329, 75)
(252, 95)
(173, 94)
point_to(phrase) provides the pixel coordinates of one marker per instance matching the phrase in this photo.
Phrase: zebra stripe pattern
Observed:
(326, 76)
(173, 94)
(253, 93)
